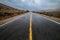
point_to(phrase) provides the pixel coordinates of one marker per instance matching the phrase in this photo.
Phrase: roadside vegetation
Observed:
(5, 15)
(52, 14)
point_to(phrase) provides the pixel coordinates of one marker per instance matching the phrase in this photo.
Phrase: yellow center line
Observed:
(30, 34)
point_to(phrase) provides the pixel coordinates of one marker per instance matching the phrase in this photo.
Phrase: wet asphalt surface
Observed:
(16, 30)
(42, 29)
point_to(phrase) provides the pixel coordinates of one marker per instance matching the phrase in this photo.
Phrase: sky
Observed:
(32, 4)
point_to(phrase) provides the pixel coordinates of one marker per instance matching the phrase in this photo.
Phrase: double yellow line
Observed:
(30, 30)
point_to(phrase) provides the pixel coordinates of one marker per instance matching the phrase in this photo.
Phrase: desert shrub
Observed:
(0, 7)
(54, 14)
(57, 14)
(1, 14)
(40, 12)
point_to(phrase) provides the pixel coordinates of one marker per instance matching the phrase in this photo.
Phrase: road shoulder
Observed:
(53, 19)
(6, 21)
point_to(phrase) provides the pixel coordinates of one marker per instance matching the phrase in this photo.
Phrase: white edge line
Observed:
(53, 20)
(11, 20)
(49, 19)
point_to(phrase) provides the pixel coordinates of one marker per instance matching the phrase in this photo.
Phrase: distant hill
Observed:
(6, 8)
(7, 12)
(49, 12)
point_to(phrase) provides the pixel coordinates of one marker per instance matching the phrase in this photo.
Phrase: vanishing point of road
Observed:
(30, 26)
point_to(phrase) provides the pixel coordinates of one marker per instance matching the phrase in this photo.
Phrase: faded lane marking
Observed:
(30, 30)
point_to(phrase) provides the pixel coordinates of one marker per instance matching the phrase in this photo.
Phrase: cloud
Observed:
(23, 0)
(32, 4)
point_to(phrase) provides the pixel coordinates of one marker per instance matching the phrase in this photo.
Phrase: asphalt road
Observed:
(40, 29)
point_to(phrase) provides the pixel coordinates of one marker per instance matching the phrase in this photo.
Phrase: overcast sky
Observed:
(32, 4)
